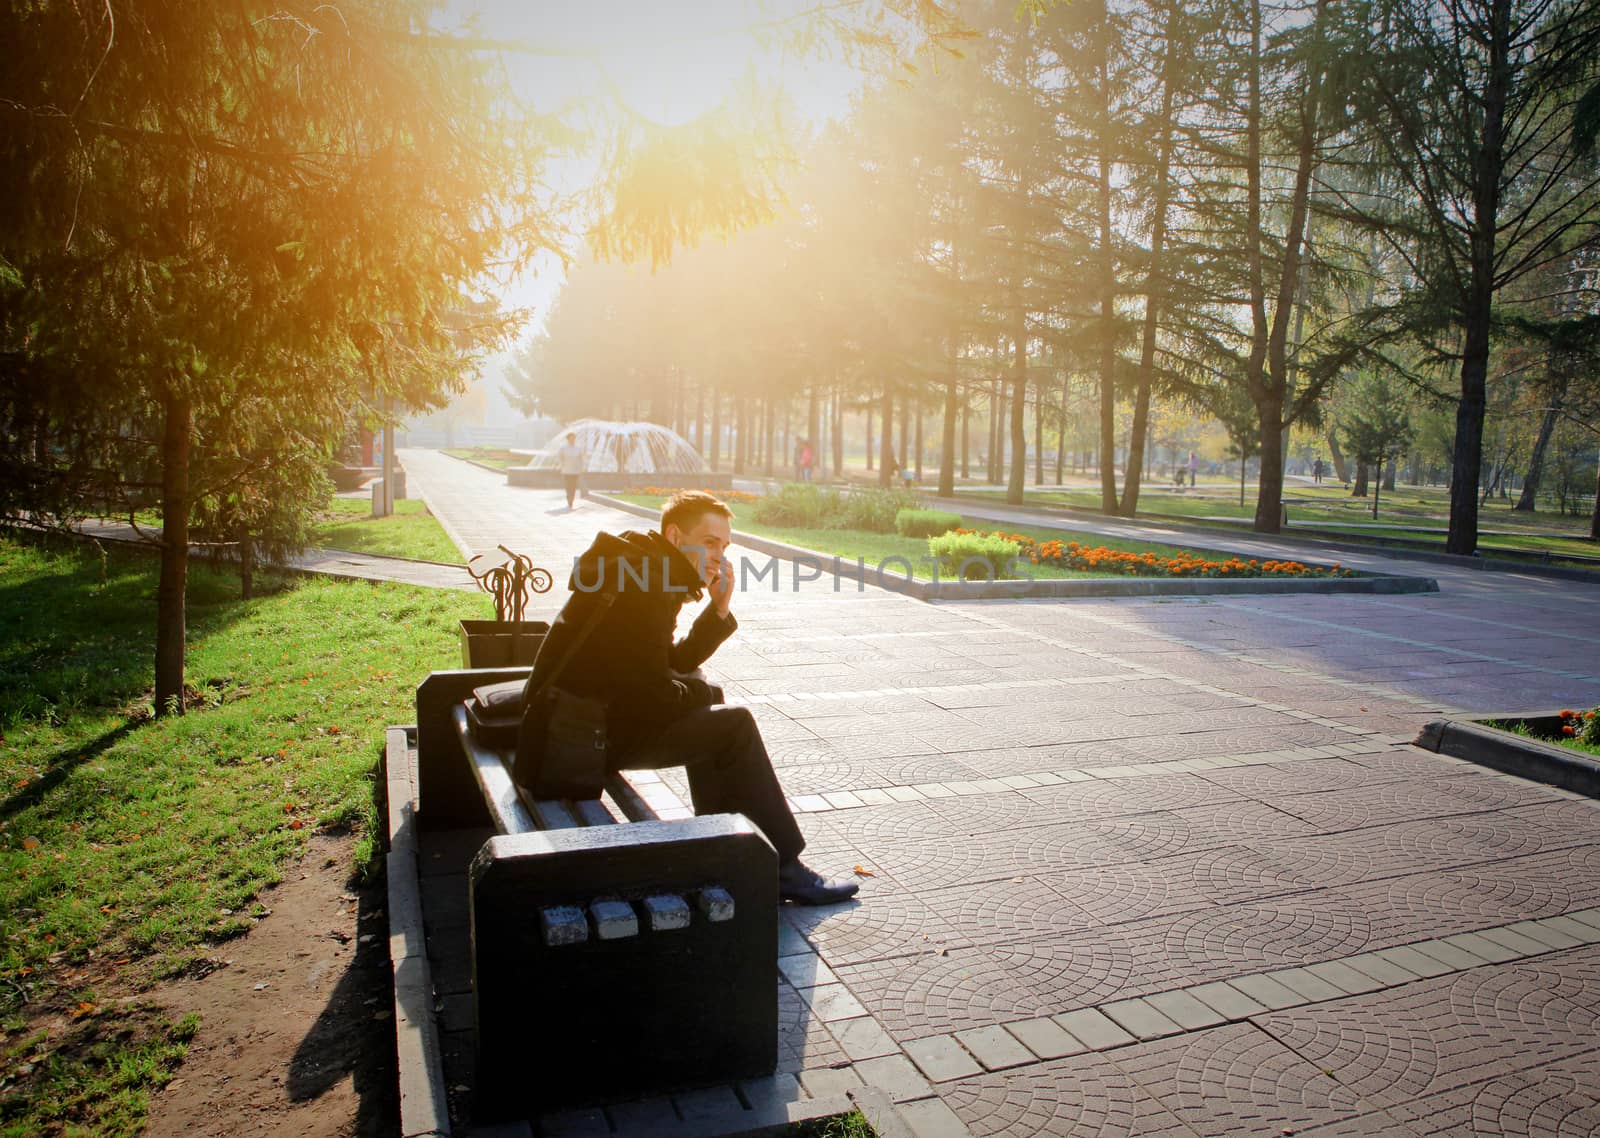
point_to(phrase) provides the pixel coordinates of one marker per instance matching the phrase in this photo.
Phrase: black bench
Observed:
(613, 953)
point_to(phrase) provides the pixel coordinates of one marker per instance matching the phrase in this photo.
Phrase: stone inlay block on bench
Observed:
(666, 911)
(716, 903)
(563, 924)
(613, 920)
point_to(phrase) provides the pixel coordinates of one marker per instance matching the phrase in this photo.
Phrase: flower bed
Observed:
(1073, 555)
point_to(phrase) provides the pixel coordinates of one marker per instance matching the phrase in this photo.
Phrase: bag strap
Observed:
(603, 603)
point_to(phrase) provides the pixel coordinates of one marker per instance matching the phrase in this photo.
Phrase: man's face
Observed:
(705, 543)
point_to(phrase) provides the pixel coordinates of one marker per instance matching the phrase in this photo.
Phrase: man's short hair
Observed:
(685, 508)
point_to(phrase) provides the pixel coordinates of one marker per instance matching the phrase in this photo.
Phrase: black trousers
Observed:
(729, 772)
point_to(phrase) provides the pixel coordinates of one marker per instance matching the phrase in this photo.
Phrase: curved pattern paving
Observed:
(891, 926)
(1089, 1096)
(1007, 910)
(1289, 930)
(929, 995)
(1239, 1080)
(1383, 1058)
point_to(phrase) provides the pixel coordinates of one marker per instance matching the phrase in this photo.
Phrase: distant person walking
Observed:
(808, 459)
(1316, 472)
(1194, 467)
(571, 456)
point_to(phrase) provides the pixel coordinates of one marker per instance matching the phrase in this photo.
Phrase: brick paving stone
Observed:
(829, 1002)
(1267, 991)
(820, 1082)
(1086, 1094)
(1577, 930)
(1543, 933)
(1382, 969)
(1455, 956)
(1522, 945)
(994, 1047)
(806, 971)
(1227, 1000)
(863, 1038)
(1343, 977)
(896, 1076)
(712, 1104)
(1046, 1038)
(1140, 1018)
(772, 1091)
(1185, 1010)
(1484, 949)
(1093, 1027)
(887, 926)
(931, 1118)
(1307, 984)
(941, 1058)
(1412, 960)
(1237, 1080)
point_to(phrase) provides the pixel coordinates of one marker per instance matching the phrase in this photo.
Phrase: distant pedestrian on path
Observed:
(808, 459)
(1316, 472)
(571, 456)
(1194, 467)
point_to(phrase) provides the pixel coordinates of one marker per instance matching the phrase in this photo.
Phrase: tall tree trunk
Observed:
(1359, 489)
(1489, 164)
(1594, 519)
(767, 432)
(996, 416)
(905, 431)
(1341, 469)
(716, 429)
(838, 432)
(947, 441)
(966, 439)
(886, 441)
(1019, 408)
(1154, 275)
(1528, 500)
(1038, 437)
(917, 446)
(177, 440)
(1061, 439)
(869, 439)
(1107, 286)
(813, 429)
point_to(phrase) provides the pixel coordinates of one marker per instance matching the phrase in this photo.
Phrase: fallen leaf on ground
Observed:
(860, 872)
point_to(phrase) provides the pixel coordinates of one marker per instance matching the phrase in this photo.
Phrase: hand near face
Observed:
(721, 587)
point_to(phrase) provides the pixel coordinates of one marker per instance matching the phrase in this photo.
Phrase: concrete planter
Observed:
(1520, 755)
(501, 643)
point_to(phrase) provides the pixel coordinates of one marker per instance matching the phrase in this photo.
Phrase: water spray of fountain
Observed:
(619, 455)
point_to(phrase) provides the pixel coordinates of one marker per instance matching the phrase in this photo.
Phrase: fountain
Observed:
(620, 455)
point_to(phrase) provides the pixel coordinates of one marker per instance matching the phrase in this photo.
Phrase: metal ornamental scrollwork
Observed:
(509, 578)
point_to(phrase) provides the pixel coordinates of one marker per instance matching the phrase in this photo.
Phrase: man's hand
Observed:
(721, 588)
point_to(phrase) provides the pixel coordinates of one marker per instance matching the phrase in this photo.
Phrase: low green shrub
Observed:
(801, 505)
(875, 510)
(973, 556)
(925, 523)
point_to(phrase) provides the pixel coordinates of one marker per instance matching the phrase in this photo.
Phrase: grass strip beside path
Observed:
(131, 846)
(411, 531)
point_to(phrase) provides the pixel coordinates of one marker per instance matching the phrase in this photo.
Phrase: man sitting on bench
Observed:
(660, 714)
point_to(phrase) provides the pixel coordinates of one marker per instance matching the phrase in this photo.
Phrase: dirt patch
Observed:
(296, 1029)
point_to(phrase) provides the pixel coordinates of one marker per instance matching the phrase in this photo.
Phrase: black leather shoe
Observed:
(804, 886)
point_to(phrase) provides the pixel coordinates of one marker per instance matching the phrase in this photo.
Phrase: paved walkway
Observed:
(1159, 866)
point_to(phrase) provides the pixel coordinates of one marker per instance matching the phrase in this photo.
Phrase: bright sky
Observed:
(668, 61)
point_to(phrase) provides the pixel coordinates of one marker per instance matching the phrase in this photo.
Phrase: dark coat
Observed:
(630, 659)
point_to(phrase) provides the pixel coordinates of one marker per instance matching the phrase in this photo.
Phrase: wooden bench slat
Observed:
(499, 792)
(593, 812)
(629, 801)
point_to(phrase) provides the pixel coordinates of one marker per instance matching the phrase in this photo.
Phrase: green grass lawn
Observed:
(875, 548)
(410, 531)
(131, 846)
(497, 457)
